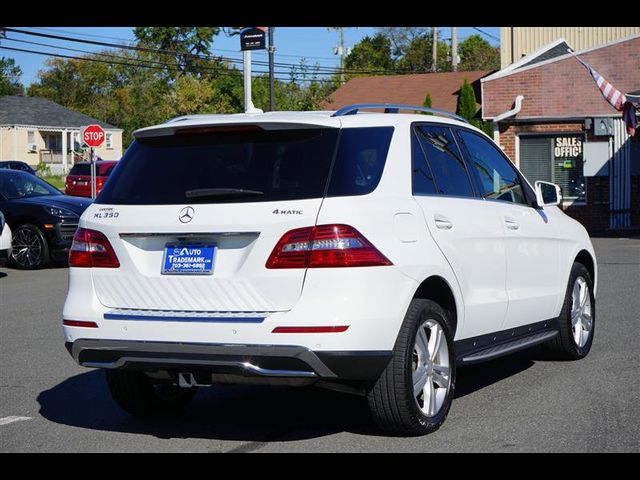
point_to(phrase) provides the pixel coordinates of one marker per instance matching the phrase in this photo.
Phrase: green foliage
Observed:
(478, 54)
(486, 127)
(427, 101)
(184, 46)
(418, 56)
(43, 170)
(134, 97)
(466, 106)
(370, 54)
(10, 77)
(401, 37)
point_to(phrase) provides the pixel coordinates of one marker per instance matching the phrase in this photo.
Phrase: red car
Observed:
(78, 181)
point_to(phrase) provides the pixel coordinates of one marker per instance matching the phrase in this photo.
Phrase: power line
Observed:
(145, 65)
(307, 76)
(259, 52)
(486, 33)
(154, 50)
(318, 70)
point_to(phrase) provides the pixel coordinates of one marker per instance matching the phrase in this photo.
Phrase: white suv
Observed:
(5, 241)
(367, 252)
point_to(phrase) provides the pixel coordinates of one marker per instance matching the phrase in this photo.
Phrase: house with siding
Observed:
(36, 130)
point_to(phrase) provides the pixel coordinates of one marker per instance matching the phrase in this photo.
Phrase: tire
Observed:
(393, 405)
(30, 248)
(569, 344)
(139, 395)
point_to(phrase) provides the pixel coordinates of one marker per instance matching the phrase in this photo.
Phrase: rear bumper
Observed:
(261, 361)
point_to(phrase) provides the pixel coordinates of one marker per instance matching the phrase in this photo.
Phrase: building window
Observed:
(108, 141)
(557, 159)
(31, 137)
(53, 142)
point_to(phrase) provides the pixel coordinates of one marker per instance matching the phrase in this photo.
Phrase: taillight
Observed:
(325, 246)
(91, 248)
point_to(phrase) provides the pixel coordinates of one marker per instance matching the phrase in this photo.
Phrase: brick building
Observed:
(552, 120)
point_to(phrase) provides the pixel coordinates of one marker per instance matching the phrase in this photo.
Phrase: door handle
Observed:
(442, 222)
(511, 223)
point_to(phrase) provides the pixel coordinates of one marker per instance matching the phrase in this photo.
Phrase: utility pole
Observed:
(434, 37)
(341, 55)
(272, 49)
(340, 50)
(454, 49)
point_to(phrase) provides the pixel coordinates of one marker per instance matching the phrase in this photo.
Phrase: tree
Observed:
(10, 77)
(402, 37)
(418, 56)
(478, 54)
(181, 45)
(132, 96)
(370, 54)
(466, 106)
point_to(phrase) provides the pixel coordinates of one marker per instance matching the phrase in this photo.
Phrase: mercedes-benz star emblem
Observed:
(186, 214)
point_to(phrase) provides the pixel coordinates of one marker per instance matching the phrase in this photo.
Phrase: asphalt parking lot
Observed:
(525, 402)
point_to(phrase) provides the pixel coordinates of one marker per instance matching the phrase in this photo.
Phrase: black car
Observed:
(42, 219)
(17, 165)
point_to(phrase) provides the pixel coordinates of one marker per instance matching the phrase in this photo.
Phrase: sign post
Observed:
(93, 136)
(251, 38)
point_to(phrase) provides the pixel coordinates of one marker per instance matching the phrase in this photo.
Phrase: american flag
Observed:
(614, 96)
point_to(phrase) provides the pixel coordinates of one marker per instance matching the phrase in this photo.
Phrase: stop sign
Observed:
(93, 135)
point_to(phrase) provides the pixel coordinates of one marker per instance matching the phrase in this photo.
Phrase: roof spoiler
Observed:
(395, 108)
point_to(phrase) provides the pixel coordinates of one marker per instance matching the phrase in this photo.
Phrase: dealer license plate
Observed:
(188, 260)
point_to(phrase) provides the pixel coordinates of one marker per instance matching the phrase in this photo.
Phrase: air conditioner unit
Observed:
(32, 147)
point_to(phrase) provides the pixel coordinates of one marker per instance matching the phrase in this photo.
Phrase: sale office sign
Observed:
(93, 135)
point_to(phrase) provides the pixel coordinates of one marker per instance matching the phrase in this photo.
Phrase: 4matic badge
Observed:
(278, 211)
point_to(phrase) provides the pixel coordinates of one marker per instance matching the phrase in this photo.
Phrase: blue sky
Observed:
(292, 44)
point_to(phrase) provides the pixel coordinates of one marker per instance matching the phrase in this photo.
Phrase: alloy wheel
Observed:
(431, 368)
(581, 316)
(27, 248)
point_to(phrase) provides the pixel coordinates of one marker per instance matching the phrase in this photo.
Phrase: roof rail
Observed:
(394, 108)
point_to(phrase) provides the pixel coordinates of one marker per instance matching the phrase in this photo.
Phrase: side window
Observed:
(360, 159)
(422, 178)
(498, 178)
(445, 160)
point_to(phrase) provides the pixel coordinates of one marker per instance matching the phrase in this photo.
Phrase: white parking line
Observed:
(8, 420)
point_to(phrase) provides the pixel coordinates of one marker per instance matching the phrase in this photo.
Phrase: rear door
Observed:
(530, 236)
(235, 190)
(467, 230)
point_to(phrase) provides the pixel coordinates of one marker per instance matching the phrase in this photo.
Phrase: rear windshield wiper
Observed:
(220, 192)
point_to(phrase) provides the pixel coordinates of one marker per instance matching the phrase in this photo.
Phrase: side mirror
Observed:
(547, 194)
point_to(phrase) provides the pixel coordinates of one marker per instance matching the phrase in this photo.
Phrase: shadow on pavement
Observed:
(239, 412)
(472, 378)
(245, 413)
(2, 275)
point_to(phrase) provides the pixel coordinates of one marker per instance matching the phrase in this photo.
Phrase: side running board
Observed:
(506, 348)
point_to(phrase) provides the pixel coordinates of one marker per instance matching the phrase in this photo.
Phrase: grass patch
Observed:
(55, 180)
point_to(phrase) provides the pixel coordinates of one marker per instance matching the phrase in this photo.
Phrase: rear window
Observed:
(80, 170)
(257, 166)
